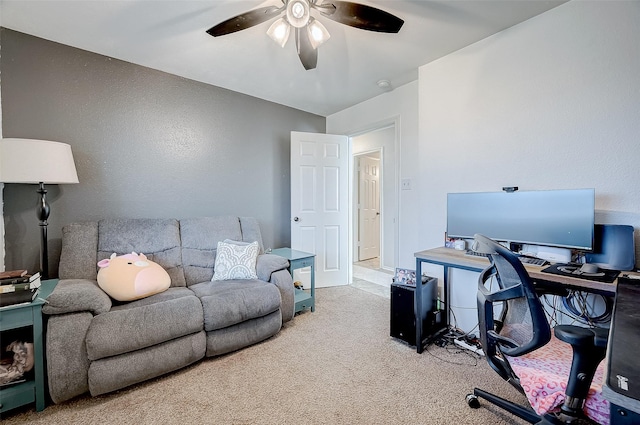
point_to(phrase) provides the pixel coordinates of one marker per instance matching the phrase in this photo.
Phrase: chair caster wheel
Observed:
(472, 401)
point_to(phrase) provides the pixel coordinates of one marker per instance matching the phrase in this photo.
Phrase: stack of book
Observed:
(17, 286)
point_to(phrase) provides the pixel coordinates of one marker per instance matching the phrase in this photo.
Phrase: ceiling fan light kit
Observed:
(279, 31)
(298, 12)
(298, 15)
(318, 34)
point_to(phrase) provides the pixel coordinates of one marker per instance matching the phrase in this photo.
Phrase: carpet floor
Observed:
(337, 365)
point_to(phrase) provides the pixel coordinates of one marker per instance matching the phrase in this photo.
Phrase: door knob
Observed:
(377, 213)
(296, 219)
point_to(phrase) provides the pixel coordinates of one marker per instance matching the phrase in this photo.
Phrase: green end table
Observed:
(299, 260)
(26, 315)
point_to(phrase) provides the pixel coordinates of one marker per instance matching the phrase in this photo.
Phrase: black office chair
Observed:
(515, 332)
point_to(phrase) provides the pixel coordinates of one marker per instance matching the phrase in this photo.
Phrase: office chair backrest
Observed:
(520, 326)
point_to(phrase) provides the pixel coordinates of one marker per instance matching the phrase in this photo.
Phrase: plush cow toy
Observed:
(131, 277)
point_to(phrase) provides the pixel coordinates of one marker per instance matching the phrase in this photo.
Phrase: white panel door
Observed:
(368, 207)
(319, 204)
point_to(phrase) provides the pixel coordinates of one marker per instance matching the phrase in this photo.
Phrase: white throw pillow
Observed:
(235, 261)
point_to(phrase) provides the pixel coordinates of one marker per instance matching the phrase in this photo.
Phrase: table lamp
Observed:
(37, 162)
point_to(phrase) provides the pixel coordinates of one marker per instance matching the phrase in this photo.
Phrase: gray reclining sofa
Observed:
(96, 344)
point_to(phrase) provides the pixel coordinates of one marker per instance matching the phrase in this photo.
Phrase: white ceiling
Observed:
(169, 35)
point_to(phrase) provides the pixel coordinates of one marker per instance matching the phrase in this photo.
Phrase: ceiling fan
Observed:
(310, 33)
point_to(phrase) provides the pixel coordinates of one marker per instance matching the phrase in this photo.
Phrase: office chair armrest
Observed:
(601, 337)
(589, 346)
(577, 336)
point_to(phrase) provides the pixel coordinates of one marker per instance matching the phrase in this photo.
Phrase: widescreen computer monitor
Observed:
(558, 218)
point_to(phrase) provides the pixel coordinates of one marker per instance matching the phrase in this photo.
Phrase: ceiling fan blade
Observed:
(362, 16)
(307, 54)
(244, 21)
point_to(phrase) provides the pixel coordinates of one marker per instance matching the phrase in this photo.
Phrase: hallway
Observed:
(368, 276)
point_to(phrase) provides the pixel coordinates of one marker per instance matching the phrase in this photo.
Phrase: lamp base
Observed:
(43, 215)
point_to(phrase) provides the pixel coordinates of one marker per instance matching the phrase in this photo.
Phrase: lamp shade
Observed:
(36, 161)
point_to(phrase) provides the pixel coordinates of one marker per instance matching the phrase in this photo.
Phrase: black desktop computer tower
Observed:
(403, 316)
(622, 387)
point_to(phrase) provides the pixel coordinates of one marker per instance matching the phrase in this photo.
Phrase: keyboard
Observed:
(473, 253)
(530, 261)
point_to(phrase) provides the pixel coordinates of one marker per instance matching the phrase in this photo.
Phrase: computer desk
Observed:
(450, 258)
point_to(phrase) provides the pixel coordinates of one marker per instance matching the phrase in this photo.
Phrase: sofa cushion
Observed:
(251, 231)
(112, 373)
(243, 334)
(229, 302)
(143, 323)
(158, 239)
(78, 256)
(200, 237)
(236, 261)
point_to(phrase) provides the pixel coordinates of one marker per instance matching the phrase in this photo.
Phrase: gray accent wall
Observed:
(146, 144)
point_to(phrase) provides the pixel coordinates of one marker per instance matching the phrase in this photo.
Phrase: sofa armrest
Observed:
(67, 361)
(268, 264)
(275, 269)
(283, 280)
(77, 295)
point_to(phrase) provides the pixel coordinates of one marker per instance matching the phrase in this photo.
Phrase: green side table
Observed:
(22, 316)
(299, 260)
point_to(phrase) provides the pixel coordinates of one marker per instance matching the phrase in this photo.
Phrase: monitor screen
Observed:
(559, 218)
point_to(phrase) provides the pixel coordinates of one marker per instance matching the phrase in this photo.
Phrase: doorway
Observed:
(374, 207)
(334, 243)
(367, 207)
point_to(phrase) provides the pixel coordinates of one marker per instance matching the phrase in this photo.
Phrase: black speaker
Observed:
(403, 316)
(613, 247)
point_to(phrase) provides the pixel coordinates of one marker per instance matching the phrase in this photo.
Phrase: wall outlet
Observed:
(406, 184)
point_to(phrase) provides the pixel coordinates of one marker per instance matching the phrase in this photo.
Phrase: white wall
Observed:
(399, 106)
(552, 103)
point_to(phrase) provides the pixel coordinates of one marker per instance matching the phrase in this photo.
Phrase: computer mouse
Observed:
(589, 268)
